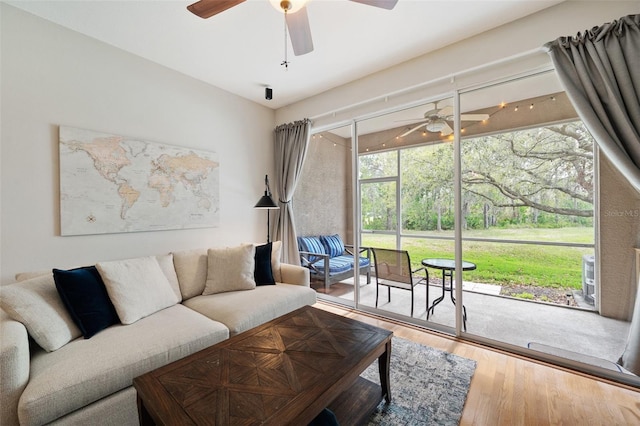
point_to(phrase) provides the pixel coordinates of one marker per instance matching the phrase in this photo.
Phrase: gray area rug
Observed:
(428, 386)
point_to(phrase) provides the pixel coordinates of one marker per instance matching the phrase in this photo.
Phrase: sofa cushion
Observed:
(242, 310)
(311, 245)
(337, 264)
(263, 273)
(333, 245)
(23, 276)
(165, 261)
(276, 251)
(168, 269)
(191, 268)
(37, 304)
(85, 297)
(230, 269)
(85, 371)
(137, 287)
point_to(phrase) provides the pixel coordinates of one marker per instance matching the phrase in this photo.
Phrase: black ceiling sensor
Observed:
(268, 93)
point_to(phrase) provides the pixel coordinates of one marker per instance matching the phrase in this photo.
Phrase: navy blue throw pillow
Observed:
(84, 295)
(263, 274)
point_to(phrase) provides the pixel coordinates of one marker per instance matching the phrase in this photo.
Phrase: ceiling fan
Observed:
(295, 16)
(437, 120)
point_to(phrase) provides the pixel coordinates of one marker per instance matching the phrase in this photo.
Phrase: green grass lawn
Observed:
(505, 264)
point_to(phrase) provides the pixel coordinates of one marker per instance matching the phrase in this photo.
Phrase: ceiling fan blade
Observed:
(447, 130)
(385, 4)
(299, 32)
(414, 120)
(474, 117)
(446, 111)
(207, 8)
(413, 129)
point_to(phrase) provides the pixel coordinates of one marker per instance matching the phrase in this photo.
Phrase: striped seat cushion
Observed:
(337, 264)
(340, 264)
(364, 261)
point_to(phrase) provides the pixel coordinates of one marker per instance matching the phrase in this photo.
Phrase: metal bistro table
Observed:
(447, 266)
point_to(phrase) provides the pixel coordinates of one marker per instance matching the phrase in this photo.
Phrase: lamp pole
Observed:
(266, 202)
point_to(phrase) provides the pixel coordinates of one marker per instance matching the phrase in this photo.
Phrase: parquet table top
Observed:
(283, 372)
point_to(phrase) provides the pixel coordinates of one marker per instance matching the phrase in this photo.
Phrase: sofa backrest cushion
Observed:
(191, 268)
(165, 261)
(230, 269)
(83, 293)
(168, 269)
(333, 245)
(276, 251)
(137, 287)
(37, 304)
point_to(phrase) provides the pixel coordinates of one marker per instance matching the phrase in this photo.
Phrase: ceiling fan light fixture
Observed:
(436, 126)
(290, 6)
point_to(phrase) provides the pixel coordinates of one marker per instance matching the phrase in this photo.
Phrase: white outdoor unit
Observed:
(588, 278)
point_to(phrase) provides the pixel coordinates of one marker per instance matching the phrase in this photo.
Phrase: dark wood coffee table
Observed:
(284, 372)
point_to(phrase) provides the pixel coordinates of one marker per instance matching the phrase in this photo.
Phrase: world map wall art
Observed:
(112, 184)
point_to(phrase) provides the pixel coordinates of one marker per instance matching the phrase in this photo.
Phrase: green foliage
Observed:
(528, 185)
(524, 295)
(500, 263)
(541, 177)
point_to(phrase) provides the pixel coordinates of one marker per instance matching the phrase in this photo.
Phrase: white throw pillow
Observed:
(37, 304)
(276, 249)
(230, 269)
(137, 287)
(168, 269)
(191, 268)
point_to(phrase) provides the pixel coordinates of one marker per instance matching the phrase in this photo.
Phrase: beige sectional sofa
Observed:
(51, 374)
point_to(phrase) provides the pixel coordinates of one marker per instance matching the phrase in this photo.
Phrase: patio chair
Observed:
(330, 260)
(393, 269)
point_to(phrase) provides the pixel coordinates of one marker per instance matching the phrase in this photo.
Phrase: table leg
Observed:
(453, 299)
(432, 309)
(143, 415)
(384, 363)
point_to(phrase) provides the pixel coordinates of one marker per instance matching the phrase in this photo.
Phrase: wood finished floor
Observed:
(512, 390)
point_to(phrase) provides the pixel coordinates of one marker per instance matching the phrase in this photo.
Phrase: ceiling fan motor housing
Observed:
(286, 5)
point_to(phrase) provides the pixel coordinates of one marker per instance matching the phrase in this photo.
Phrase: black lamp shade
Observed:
(266, 202)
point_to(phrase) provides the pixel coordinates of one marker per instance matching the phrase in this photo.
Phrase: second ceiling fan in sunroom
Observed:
(437, 120)
(295, 11)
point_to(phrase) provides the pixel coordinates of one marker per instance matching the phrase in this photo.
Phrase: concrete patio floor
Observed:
(509, 320)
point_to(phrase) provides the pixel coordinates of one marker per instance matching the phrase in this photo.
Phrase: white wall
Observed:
(52, 76)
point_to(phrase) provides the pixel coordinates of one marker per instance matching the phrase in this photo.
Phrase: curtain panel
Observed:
(600, 71)
(291, 143)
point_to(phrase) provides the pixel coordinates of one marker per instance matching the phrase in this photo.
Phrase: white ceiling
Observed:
(240, 50)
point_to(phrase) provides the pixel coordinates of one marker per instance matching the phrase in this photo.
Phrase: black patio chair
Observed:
(393, 269)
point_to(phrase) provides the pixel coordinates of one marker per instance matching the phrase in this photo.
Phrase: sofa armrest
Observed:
(293, 274)
(14, 365)
(349, 248)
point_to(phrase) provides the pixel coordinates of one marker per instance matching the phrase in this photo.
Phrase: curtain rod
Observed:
(451, 77)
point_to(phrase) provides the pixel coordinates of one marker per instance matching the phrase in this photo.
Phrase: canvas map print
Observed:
(111, 184)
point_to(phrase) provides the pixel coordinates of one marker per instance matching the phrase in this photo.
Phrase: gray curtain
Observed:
(291, 142)
(600, 71)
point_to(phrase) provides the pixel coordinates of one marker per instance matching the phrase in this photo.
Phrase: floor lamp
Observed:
(266, 203)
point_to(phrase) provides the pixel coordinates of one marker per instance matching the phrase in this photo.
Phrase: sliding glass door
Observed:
(406, 186)
(491, 193)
